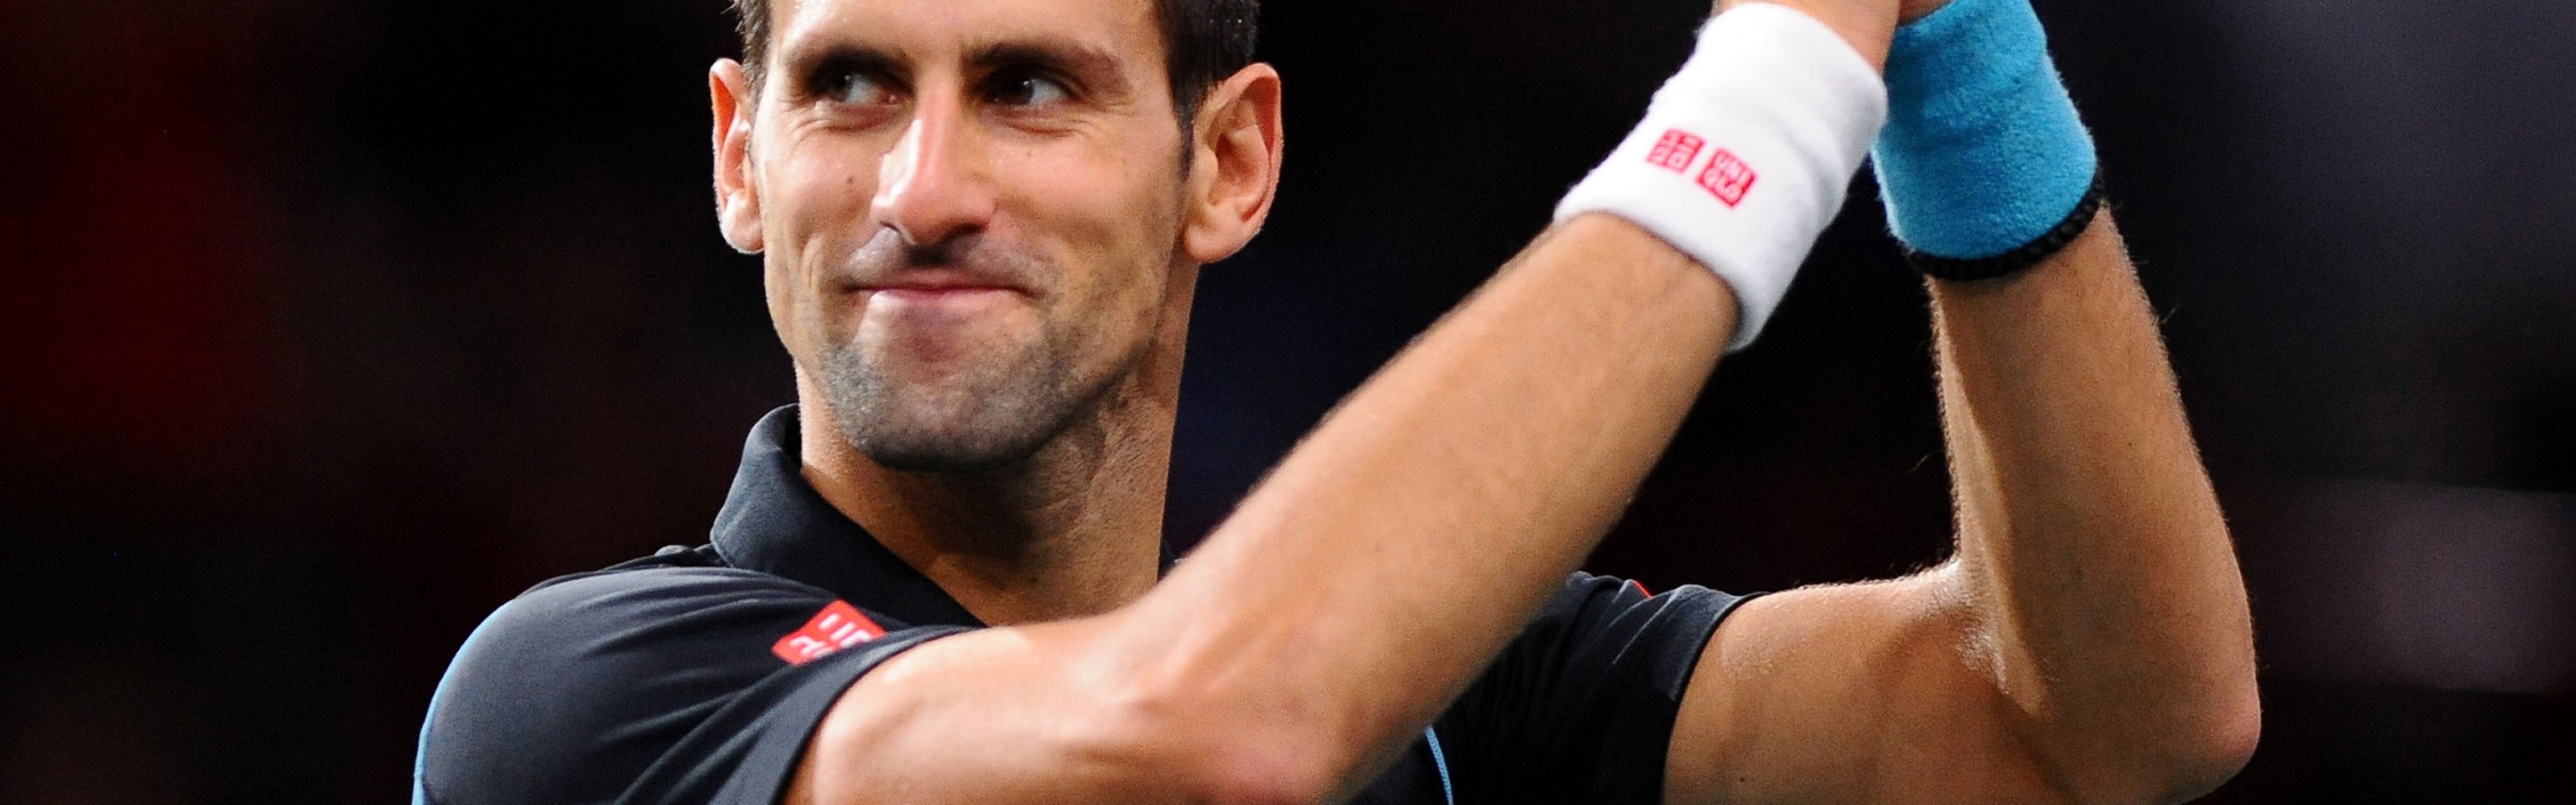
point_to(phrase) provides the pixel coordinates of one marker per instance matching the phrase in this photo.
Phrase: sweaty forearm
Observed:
(1400, 546)
(2090, 544)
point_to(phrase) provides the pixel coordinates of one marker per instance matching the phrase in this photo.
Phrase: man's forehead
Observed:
(1126, 29)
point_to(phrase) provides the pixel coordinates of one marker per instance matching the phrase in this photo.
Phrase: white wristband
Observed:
(1746, 153)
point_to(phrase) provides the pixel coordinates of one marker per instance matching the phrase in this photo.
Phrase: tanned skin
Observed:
(2089, 643)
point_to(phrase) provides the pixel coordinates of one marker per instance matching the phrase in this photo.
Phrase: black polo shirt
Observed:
(696, 675)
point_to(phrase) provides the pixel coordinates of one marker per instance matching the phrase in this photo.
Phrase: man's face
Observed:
(970, 211)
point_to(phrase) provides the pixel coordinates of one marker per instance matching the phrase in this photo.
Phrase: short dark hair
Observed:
(1204, 41)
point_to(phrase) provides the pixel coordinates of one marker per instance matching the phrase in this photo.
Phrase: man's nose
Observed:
(933, 186)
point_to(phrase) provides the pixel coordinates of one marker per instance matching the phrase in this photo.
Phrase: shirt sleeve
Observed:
(656, 686)
(1580, 707)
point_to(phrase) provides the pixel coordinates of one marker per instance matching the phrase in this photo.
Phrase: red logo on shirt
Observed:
(1727, 177)
(1675, 151)
(837, 627)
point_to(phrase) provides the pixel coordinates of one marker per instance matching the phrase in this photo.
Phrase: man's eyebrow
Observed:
(803, 62)
(1076, 58)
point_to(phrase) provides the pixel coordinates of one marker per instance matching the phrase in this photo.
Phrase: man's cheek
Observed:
(826, 180)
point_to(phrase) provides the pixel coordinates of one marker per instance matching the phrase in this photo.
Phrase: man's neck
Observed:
(1073, 530)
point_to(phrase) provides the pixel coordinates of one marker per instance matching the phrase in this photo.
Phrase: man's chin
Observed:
(944, 458)
(946, 447)
(929, 422)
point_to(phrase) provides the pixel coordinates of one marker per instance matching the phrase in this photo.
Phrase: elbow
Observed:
(2214, 740)
(2189, 758)
(2216, 747)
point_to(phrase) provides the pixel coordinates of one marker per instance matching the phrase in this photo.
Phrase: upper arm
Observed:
(1863, 692)
(1579, 706)
(1048, 713)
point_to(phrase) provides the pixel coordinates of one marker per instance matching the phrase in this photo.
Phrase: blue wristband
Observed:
(1983, 153)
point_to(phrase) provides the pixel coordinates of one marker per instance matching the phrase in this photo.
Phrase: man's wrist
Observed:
(1746, 153)
(1985, 166)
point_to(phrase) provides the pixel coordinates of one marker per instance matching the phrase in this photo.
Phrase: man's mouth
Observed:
(926, 291)
(927, 296)
(918, 294)
(936, 282)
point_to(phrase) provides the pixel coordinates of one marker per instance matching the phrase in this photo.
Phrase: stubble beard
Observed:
(997, 411)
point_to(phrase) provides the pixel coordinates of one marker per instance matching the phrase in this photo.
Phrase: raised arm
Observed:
(1391, 556)
(2089, 537)
(2090, 641)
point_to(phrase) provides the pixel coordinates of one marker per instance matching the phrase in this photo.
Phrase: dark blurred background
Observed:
(326, 327)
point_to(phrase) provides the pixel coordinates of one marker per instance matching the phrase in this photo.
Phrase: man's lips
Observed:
(939, 296)
(933, 284)
(934, 291)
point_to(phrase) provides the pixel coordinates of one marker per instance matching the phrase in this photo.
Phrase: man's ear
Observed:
(737, 195)
(1234, 168)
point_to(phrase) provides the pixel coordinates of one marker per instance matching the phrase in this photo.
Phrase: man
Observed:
(939, 576)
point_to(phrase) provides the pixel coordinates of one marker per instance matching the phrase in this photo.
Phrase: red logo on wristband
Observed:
(1675, 151)
(837, 627)
(1727, 177)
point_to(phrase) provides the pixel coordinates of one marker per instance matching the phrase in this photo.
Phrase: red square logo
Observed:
(837, 627)
(1675, 150)
(1727, 177)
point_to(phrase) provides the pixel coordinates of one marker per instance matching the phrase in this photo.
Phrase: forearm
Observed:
(2091, 548)
(1399, 547)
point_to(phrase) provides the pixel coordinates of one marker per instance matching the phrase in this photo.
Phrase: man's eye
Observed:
(1028, 89)
(858, 89)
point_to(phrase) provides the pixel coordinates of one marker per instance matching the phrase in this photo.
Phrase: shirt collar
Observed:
(774, 522)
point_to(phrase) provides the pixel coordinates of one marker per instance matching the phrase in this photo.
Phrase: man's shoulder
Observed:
(569, 691)
(685, 598)
(644, 624)
(672, 578)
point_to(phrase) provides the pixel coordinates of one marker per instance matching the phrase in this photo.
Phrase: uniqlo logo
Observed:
(1727, 177)
(1675, 151)
(837, 627)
